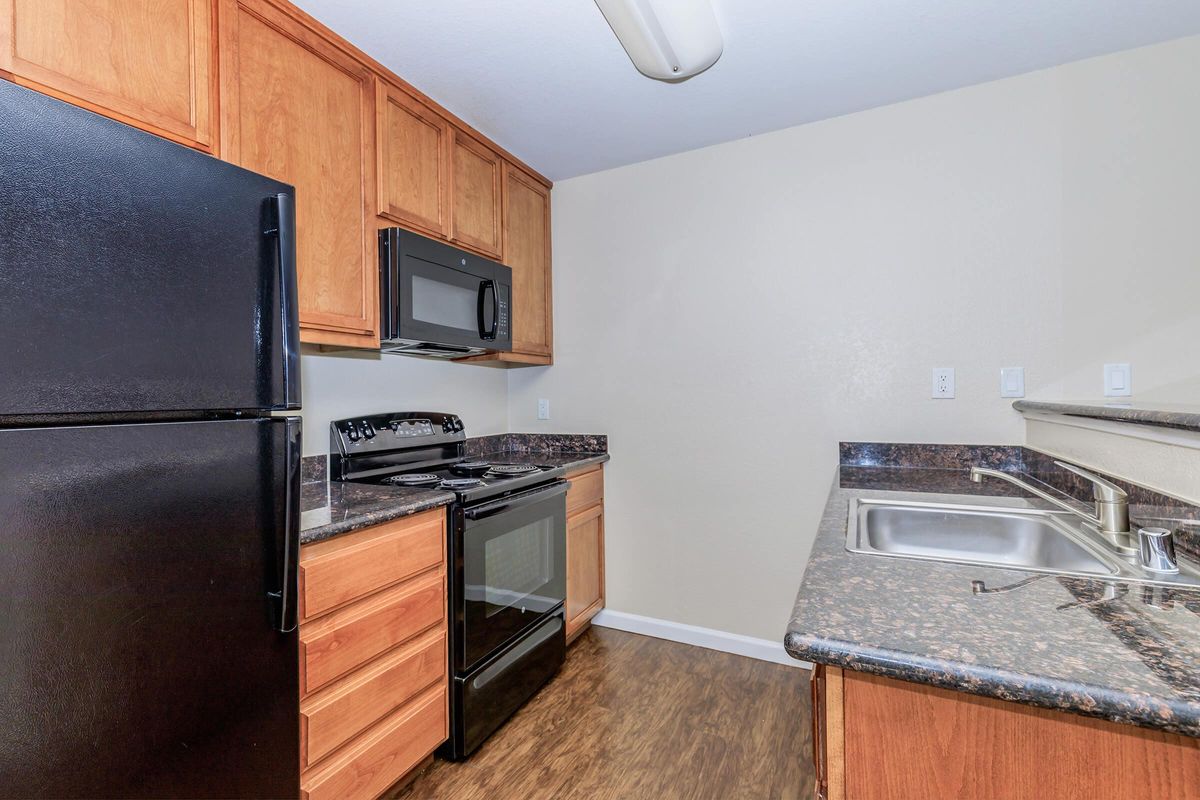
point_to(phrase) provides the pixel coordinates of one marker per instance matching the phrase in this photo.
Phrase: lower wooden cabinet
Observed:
(882, 738)
(373, 659)
(585, 548)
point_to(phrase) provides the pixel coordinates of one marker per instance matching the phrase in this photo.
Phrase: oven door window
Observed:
(514, 565)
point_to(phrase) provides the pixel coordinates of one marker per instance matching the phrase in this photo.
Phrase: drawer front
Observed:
(353, 704)
(349, 638)
(384, 754)
(587, 489)
(336, 572)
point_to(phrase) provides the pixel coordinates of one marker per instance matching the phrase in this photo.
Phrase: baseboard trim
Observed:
(761, 649)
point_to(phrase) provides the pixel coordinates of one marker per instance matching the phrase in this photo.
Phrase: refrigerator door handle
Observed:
(285, 599)
(289, 334)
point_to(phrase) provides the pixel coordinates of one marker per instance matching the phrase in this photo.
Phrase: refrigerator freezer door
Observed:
(138, 275)
(147, 573)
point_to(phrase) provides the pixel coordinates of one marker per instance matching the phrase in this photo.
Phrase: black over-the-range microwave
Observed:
(439, 301)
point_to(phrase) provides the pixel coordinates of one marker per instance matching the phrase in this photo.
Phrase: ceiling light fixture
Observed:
(669, 40)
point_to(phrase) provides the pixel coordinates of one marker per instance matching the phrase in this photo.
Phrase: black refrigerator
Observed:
(149, 485)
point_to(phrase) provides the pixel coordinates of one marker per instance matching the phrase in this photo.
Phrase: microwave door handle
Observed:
(495, 310)
(484, 285)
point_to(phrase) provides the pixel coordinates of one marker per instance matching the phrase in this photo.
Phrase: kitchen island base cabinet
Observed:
(585, 549)
(883, 738)
(373, 659)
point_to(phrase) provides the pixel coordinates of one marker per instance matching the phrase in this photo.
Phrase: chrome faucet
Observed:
(1112, 503)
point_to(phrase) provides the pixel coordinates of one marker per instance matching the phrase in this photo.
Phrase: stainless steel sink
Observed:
(1027, 539)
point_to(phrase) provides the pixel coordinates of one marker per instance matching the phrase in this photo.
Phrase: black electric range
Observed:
(507, 558)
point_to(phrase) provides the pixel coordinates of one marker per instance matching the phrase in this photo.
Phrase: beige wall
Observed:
(346, 383)
(727, 315)
(1130, 127)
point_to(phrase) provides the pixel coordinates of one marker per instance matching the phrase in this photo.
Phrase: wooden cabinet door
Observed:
(585, 567)
(475, 188)
(296, 107)
(527, 251)
(413, 171)
(147, 63)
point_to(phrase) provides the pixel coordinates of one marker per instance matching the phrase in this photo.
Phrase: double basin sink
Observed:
(1026, 539)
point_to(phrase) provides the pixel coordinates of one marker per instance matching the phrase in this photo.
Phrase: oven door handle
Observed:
(516, 502)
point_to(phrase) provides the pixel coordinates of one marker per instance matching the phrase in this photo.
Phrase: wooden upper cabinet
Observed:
(413, 172)
(475, 186)
(298, 108)
(148, 63)
(527, 252)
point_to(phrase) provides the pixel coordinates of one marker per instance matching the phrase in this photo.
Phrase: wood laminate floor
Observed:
(632, 717)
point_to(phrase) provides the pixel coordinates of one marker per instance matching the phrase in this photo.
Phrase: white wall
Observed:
(727, 315)
(347, 383)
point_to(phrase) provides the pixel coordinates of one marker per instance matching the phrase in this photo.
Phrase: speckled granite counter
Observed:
(1180, 417)
(1122, 652)
(330, 508)
(569, 461)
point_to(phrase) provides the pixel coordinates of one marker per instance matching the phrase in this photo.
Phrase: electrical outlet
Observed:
(1012, 382)
(543, 409)
(943, 383)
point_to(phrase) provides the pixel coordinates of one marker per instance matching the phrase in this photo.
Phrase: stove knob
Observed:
(368, 430)
(458, 424)
(352, 432)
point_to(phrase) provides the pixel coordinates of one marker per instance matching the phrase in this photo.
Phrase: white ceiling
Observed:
(547, 79)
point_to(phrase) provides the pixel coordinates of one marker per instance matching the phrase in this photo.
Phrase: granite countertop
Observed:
(1163, 415)
(330, 508)
(1122, 652)
(569, 461)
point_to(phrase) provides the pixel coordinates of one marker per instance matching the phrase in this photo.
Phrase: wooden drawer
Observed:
(587, 489)
(349, 638)
(384, 754)
(337, 571)
(333, 717)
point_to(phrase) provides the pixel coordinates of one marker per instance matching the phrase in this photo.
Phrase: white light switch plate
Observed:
(543, 409)
(943, 383)
(1012, 382)
(1118, 380)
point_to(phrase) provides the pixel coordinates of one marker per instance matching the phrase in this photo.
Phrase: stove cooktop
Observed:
(470, 479)
(426, 450)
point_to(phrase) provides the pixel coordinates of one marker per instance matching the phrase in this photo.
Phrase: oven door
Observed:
(512, 571)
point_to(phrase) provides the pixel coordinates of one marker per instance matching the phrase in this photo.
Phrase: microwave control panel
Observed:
(502, 323)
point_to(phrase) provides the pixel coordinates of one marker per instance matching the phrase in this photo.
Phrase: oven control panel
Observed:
(395, 431)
